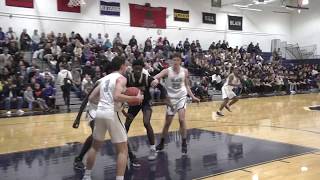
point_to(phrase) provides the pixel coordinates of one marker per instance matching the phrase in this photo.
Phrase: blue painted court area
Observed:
(209, 153)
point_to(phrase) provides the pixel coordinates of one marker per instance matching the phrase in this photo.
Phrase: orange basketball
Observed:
(132, 91)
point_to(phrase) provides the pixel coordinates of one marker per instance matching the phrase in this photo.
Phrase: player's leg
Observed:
(181, 107)
(91, 158)
(223, 105)
(233, 97)
(118, 136)
(99, 132)
(78, 164)
(122, 158)
(233, 101)
(147, 112)
(132, 113)
(183, 129)
(165, 130)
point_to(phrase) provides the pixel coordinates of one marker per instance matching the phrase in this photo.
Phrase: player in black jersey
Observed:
(138, 78)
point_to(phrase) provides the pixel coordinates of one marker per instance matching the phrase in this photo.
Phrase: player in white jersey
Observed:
(177, 85)
(232, 82)
(109, 96)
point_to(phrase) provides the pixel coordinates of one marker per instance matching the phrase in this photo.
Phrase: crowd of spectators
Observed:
(80, 61)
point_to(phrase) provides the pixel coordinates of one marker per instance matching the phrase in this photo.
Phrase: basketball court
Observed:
(263, 138)
(268, 48)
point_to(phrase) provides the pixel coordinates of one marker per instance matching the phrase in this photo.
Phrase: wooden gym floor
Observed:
(284, 120)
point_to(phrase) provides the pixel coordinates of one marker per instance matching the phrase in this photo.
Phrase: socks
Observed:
(87, 172)
(119, 178)
(153, 147)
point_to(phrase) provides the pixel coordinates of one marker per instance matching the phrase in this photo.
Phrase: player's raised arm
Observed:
(157, 77)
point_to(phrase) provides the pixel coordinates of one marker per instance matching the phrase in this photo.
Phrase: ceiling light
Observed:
(242, 6)
(251, 9)
(305, 2)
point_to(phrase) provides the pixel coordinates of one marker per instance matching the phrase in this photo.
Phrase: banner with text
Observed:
(208, 18)
(148, 17)
(110, 7)
(63, 6)
(20, 3)
(181, 15)
(235, 23)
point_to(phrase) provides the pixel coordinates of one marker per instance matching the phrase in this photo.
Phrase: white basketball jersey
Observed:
(107, 88)
(234, 81)
(175, 84)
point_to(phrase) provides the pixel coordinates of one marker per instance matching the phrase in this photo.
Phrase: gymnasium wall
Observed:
(257, 26)
(306, 26)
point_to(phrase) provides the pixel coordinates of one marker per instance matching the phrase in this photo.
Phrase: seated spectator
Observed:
(76, 75)
(12, 93)
(90, 39)
(6, 59)
(87, 84)
(216, 81)
(12, 36)
(29, 98)
(39, 97)
(25, 40)
(99, 40)
(49, 95)
(133, 41)
(117, 41)
(2, 38)
(247, 85)
(35, 40)
(155, 94)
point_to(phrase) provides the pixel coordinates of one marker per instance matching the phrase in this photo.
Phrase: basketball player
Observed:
(233, 81)
(137, 78)
(90, 116)
(109, 97)
(177, 86)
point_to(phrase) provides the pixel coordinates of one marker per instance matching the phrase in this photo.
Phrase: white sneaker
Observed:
(86, 177)
(20, 112)
(152, 155)
(8, 113)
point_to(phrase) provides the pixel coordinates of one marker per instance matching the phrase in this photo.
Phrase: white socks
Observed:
(87, 172)
(119, 177)
(153, 147)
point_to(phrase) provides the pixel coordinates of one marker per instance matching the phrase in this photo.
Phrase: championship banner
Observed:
(216, 3)
(63, 6)
(180, 15)
(148, 17)
(208, 18)
(110, 7)
(20, 3)
(235, 23)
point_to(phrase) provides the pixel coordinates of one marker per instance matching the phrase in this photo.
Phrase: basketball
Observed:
(132, 91)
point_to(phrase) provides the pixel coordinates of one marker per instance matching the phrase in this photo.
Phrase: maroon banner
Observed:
(148, 17)
(20, 3)
(63, 6)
